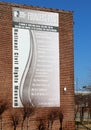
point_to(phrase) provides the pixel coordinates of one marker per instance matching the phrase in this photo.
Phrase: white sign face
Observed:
(35, 58)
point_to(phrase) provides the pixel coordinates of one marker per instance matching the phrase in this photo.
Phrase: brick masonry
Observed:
(66, 68)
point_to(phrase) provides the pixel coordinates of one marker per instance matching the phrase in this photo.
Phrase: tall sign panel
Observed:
(35, 58)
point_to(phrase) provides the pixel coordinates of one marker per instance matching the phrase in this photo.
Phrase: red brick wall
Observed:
(66, 68)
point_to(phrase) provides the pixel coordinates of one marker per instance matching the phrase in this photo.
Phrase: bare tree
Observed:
(14, 119)
(60, 119)
(52, 116)
(41, 125)
(80, 103)
(89, 106)
(46, 123)
(26, 113)
(3, 108)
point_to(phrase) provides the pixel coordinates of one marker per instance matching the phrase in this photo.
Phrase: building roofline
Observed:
(82, 92)
(36, 7)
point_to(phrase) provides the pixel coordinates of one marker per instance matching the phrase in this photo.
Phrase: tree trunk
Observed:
(22, 125)
(14, 127)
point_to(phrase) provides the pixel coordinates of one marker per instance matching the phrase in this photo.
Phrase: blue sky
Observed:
(82, 33)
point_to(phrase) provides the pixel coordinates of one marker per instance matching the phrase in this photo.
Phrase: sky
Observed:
(82, 33)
